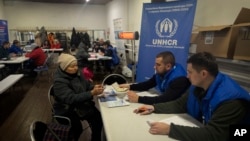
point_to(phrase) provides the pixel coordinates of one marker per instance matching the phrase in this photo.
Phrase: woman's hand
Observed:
(98, 89)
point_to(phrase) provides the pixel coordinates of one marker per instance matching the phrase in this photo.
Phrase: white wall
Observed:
(28, 14)
(208, 12)
(218, 12)
(1, 10)
(32, 14)
(116, 9)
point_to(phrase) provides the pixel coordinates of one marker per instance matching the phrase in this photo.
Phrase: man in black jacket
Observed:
(170, 80)
(4, 50)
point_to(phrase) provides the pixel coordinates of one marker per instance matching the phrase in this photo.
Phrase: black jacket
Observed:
(72, 93)
(176, 88)
(4, 53)
(217, 129)
(82, 56)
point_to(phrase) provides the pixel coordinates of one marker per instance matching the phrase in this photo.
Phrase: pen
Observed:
(143, 110)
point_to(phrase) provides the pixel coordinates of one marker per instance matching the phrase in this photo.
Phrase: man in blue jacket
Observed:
(214, 99)
(15, 49)
(170, 80)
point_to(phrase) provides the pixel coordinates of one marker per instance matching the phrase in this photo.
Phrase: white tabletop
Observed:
(15, 60)
(2, 66)
(97, 56)
(121, 124)
(47, 50)
(9, 81)
(54, 49)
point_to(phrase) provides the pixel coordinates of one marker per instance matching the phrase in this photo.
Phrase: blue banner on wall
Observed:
(4, 36)
(165, 27)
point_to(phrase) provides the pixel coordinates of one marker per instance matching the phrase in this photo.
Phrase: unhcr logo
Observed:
(166, 28)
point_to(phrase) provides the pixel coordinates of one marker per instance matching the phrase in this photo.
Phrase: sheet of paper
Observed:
(180, 120)
(117, 103)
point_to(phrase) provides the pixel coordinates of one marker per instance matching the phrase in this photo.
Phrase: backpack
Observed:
(115, 58)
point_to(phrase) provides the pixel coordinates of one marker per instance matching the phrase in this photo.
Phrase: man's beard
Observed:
(162, 73)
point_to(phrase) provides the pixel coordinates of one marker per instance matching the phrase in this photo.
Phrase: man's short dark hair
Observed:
(167, 57)
(6, 42)
(15, 42)
(204, 60)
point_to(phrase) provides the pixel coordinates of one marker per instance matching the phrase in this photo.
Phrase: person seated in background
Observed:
(15, 49)
(170, 80)
(4, 50)
(45, 45)
(84, 65)
(6, 55)
(101, 42)
(108, 51)
(74, 97)
(56, 44)
(214, 99)
(37, 56)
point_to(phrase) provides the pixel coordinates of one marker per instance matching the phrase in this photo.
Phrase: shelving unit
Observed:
(238, 70)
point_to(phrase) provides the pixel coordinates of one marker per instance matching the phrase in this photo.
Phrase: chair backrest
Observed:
(110, 79)
(37, 130)
(59, 119)
(51, 97)
(40, 131)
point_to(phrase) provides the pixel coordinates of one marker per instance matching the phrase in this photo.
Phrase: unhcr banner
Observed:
(4, 36)
(165, 26)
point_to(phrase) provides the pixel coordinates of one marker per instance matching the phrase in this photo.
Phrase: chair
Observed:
(57, 118)
(44, 67)
(37, 131)
(40, 131)
(51, 101)
(110, 79)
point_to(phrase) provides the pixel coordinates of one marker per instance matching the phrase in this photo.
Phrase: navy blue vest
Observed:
(163, 83)
(222, 89)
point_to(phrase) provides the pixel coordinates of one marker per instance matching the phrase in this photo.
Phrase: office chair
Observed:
(110, 79)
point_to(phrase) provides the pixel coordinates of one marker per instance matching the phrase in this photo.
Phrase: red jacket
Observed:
(38, 55)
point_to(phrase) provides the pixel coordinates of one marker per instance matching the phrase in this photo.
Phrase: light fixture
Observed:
(87, 0)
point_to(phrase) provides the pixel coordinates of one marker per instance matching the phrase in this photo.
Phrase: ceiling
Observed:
(94, 2)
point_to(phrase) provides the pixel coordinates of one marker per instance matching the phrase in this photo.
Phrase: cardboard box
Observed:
(242, 48)
(193, 45)
(221, 40)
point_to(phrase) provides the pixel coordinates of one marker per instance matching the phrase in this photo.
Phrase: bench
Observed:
(9, 81)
